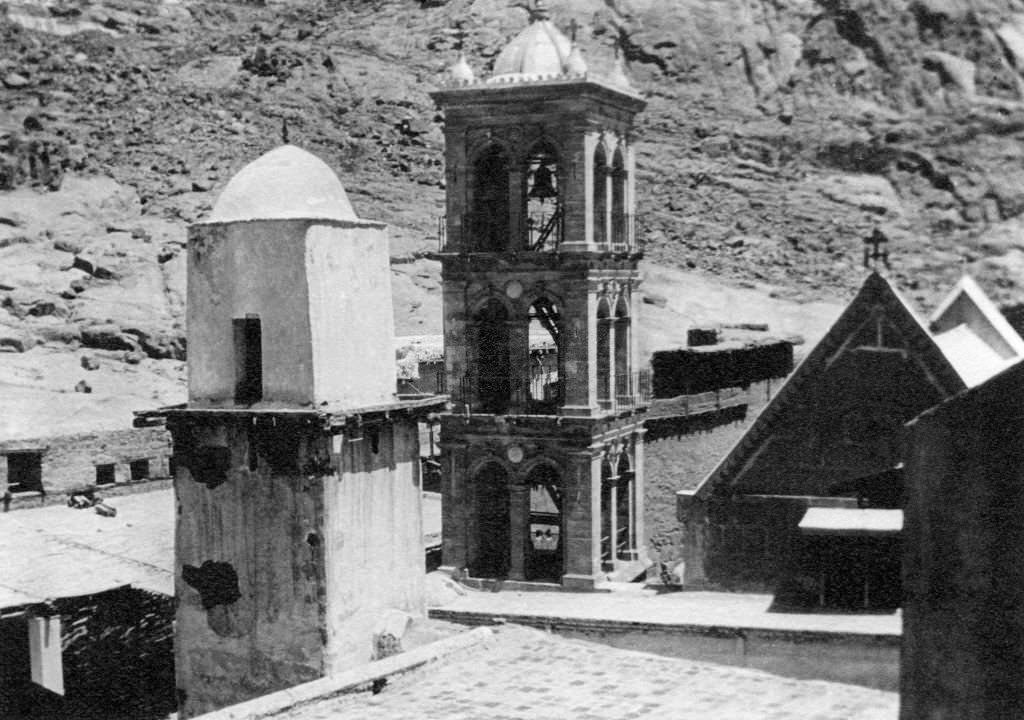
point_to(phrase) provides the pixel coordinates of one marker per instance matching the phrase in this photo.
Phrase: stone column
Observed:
(519, 520)
(454, 508)
(578, 188)
(613, 516)
(519, 363)
(579, 348)
(637, 496)
(516, 207)
(613, 369)
(581, 524)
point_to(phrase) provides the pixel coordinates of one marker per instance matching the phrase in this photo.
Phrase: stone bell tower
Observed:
(296, 465)
(543, 450)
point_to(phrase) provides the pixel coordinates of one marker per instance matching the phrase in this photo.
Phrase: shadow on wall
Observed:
(118, 660)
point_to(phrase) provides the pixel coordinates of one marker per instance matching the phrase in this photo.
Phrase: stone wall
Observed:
(68, 462)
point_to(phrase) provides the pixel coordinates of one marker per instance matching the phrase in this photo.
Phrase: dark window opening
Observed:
(620, 217)
(491, 498)
(487, 224)
(374, 436)
(139, 470)
(493, 382)
(105, 474)
(248, 360)
(604, 360)
(24, 472)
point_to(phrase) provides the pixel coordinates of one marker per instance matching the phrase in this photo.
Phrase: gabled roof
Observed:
(876, 299)
(973, 333)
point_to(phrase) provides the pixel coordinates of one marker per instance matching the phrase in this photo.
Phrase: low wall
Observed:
(867, 660)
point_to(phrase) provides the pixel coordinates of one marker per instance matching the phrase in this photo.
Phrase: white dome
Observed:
(539, 51)
(286, 183)
(460, 71)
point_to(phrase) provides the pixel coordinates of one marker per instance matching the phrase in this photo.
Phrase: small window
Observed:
(248, 360)
(25, 472)
(139, 469)
(105, 474)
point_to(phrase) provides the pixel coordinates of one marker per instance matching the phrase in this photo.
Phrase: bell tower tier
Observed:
(543, 449)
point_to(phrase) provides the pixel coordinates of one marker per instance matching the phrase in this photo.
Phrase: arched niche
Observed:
(487, 222)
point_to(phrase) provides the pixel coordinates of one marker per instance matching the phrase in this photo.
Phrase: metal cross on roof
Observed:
(573, 28)
(876, 249)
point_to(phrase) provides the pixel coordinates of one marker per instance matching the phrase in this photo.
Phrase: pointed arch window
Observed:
(621, 352)
(620, 220)
(545, 380)
(599, 201)
(604, 358)
(542, 199)
(488, 221)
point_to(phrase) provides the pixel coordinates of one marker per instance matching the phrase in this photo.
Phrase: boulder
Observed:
(108, 337)
(953, 70)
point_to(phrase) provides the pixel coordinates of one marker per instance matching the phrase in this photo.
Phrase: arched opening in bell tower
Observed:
(599, 210)
(545, 382)
(544, 548)
(491, 506)
(620, 214)
(604, 359)
(620, 354)
(491, 356)
(543, 209)
(488, 221)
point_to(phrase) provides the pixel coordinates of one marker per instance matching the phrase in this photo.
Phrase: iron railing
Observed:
(631, 390)
(540, 394)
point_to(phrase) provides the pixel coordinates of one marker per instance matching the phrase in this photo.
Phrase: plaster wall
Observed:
(351, 323)
(267, 634)
(236, 269)
(374, 539)
(311, 536)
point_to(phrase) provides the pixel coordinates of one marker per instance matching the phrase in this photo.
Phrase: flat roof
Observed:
(851, 522)
(57, 551)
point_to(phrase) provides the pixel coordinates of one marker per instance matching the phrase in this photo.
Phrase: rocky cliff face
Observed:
(779, 134)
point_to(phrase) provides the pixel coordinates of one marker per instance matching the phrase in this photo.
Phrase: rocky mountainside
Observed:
(779, 134)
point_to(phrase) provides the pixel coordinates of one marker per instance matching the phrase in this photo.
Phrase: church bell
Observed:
(543, 184)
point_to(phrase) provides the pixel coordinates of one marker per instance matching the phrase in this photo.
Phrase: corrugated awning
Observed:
(851, 522)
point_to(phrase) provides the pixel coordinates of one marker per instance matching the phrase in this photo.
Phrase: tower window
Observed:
(248, 360)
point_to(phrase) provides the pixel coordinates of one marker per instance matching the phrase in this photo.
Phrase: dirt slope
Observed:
(778, 135)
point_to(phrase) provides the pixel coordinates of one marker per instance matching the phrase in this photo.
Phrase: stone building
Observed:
(35, 471)
(808, 503)
(297, 465)
(543, 461)
(963, 608)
